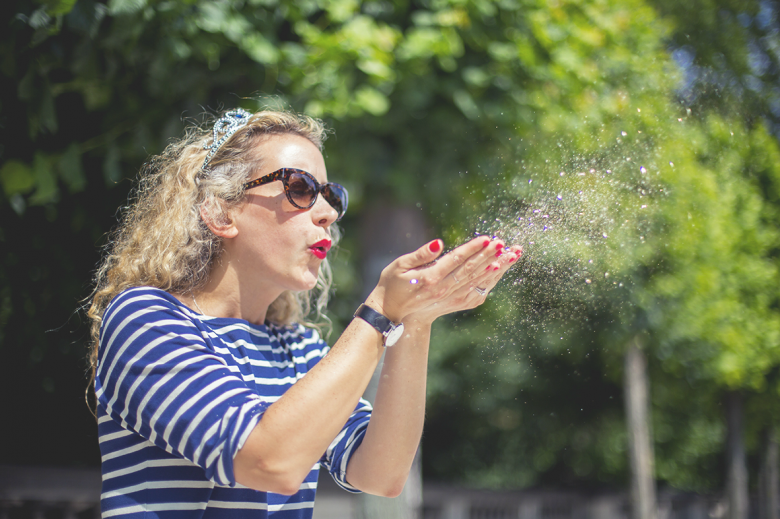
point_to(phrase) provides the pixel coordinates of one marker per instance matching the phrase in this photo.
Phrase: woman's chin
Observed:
(310, 280)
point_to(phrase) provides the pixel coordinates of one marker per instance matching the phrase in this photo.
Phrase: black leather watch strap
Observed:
(374, 318)
(390, 331)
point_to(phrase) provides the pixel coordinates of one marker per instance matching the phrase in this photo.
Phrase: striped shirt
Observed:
(178, 394)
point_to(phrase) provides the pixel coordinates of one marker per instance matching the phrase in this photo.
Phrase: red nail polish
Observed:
(489, 267)
(498, 253)
(435, 246)
(512, 260)
(484, 245)
(499, 246)
(495, 268)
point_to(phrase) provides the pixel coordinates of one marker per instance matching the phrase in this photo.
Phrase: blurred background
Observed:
(629, 365)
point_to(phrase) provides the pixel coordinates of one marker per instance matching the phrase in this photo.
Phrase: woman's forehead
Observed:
(291, 151)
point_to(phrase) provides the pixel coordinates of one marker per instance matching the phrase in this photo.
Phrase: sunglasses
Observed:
(302, 189)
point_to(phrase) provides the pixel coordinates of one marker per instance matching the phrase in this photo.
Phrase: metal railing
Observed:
(49, 493)
(43, 493)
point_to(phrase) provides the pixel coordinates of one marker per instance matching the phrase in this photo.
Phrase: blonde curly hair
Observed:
(162, 241)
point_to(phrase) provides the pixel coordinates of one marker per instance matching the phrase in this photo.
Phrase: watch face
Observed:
(395, 334)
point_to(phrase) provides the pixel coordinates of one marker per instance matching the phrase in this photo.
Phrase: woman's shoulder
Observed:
(144, 295)
(144, 298)
(138, 311)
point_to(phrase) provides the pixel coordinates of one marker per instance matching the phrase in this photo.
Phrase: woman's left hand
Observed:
(459, 280)
(474, 279)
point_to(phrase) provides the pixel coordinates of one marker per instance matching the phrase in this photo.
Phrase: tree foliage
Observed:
(662, 197)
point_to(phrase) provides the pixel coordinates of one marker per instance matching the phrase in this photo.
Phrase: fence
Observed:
(447, 502)
(43, 493)
(56, 493)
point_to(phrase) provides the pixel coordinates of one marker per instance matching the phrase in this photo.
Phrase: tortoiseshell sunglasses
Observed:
(302, 189)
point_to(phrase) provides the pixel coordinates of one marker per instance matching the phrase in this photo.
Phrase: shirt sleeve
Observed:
(158, 377)
(342, 448)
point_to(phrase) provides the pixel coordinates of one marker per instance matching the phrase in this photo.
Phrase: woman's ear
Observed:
(217, 219)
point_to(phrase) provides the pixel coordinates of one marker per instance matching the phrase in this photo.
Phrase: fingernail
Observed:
(489, 267)
(512, 260)
(435, 246)
(495, 268)
(498, 253)
(484, 245)
(499, 246)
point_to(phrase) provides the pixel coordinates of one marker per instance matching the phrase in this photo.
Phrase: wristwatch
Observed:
(390, 331)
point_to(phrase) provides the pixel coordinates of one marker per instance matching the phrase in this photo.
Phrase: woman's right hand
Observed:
(425, 284)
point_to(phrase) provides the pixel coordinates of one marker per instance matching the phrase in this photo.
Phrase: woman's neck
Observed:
(226, 295)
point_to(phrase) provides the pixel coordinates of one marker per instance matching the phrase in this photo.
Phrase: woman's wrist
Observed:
(376, 301)
(418, 320)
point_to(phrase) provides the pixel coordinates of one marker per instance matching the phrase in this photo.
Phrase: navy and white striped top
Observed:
(178, 394)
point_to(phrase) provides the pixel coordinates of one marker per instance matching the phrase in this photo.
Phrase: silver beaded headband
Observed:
(227, 125)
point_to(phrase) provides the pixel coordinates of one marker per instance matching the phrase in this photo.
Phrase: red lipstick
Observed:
(321, 248)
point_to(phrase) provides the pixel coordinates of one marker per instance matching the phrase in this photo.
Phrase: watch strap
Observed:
(382, 324)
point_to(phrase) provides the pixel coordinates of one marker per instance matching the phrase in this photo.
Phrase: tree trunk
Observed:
(637, 401)
(737, 480)
(769, 477)
(389, 232)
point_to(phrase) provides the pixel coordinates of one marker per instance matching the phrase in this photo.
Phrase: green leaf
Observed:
(70, 169)
(112, 173)
(375, 68)
(475, 76)
(16, 177)
(466, 104)
(260, 49)
(46, 189)
(39, 19)
(60, 7)
(502, 51)
(372, 101)
(26, 85)
(48, 116)
(341, 10)
(315, 108)
(18, 204)
(120, 7)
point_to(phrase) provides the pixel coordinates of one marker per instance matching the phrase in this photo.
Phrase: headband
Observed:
(226, 125)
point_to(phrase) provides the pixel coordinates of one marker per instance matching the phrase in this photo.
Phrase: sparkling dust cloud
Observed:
(584, 223)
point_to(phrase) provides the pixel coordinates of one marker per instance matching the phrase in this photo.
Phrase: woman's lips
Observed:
(321, 248)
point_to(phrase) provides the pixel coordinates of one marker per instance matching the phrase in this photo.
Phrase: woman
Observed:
(211, 400)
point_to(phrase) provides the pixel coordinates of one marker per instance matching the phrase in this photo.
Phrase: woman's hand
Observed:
(418, 283)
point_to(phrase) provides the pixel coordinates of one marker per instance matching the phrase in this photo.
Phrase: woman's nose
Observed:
(322, 212)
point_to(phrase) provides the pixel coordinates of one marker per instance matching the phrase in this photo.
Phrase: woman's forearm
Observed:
(382, 462)
(298, 428)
